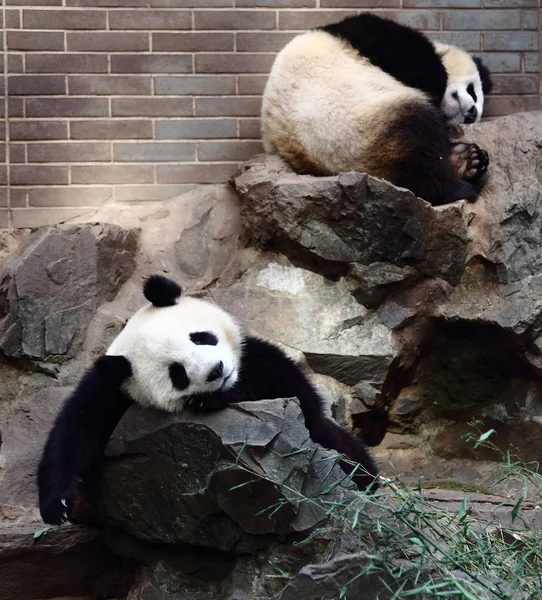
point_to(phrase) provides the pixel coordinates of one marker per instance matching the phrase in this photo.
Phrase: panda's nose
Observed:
(216, 372)
(471, 114)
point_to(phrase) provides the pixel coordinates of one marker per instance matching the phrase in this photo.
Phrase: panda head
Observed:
(468, 82)
(177, 346)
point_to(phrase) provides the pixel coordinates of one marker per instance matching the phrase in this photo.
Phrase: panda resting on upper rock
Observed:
(370, 95)
(176, 351)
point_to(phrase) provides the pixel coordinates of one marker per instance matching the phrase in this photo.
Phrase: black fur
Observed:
(161, 291)
(400, 51)
(74, 450)
(424, 165)
(485, 75)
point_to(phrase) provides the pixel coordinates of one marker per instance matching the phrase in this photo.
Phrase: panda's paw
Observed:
(469, 161)
(57, 510)
(201, 403)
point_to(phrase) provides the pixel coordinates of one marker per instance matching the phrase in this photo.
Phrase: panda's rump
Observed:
(326, 109)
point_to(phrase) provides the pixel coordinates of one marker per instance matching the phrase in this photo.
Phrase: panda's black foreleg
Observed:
(75, 446)
(266, 372)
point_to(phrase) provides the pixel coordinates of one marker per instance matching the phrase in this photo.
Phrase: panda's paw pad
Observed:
(470, 162)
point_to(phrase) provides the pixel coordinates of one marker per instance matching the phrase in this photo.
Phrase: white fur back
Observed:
(321, 93)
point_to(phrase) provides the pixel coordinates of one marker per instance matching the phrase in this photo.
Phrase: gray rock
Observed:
(349, 218)
(53, 285)
(182, 478)
(23, 438)
(67, 561)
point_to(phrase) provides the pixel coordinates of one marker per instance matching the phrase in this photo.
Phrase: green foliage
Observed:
(430, 552)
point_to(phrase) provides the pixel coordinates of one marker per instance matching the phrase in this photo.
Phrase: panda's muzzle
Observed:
(216, 372)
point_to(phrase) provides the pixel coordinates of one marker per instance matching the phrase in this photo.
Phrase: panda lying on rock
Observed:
(367, 94)
(176, 351)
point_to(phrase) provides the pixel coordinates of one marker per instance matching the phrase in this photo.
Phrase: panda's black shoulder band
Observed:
(161, 291)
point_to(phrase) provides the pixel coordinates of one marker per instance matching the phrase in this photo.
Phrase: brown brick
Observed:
(35, 40)
(64, 19)
(188, 129)
(510, 3)
(195, 173)
(70, 152)
(66, 63)
(515, 84)
(17, 197)
(3, 152)
(3, 175)
(496, 106)
(533, 103)
(17, 153)
(482, 19)
(112, 174)
(69, 196)
(228, 151)
(442, 3)
(232, 106)
(15, 107)
(132, 193)
(27, 85)
(234, 63)
(307, 19)
(234, 19)
(151, 63)
(532, 62)
(108, 41)
(67, 107)
(4, 219)
(151, 107)
(108, 3)
(249, 128)
(275, 3)
(34, 2)
(154, 152)
(362, 4)
(38, 130)
(512, 40)
(32, 174)
(252, 84)
(467, 40)
(200, 85)
(114, 85)
(189, 41)
(111, 129)
(40, 217)
(15, 63)
(263, 41)
(150, 19)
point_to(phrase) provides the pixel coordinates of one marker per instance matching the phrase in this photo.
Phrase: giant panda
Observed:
(174, 352)
(370, 95)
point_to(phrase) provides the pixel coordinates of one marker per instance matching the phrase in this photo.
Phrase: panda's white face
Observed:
(463, 102)
(177, 351)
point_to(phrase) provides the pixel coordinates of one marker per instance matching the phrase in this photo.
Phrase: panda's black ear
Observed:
(161, 291)
(485, 75)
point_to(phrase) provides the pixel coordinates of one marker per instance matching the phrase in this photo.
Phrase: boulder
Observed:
(209, 480)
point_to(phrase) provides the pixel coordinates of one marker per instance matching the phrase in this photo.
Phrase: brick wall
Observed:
(141, 99)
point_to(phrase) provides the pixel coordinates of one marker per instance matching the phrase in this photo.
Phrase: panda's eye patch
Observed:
(204, 338)
(470, 90)
(178, 376)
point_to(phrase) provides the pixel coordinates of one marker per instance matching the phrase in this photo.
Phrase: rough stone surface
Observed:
(52, 286)
(195, 461)
(23, 437)
(349, 218)
(68, 561)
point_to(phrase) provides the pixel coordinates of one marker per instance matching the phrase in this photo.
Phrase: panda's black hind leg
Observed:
(469, 161)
